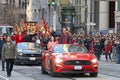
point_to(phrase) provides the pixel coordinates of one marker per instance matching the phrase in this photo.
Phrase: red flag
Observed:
(44, 28)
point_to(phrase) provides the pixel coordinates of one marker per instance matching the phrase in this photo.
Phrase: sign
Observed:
(104, 32)
(117, 16)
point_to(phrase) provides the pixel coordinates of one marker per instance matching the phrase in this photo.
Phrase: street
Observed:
(107, 71)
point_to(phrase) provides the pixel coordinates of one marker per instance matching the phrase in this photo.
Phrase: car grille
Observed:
(32, 55)
(77, 62)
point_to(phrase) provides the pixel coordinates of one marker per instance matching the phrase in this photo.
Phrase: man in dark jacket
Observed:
(2, 41)
(88, 43)
(9, 54)
(118, 52)
(28, 37)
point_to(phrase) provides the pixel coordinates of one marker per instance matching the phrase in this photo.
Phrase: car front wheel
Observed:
(94, 74)
(43, 69)
(52, 73)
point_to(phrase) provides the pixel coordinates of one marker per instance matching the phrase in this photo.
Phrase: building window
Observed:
(118, 5)
(19, 2)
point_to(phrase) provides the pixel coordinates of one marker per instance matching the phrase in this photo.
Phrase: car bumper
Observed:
(28, 60)
(71, 69)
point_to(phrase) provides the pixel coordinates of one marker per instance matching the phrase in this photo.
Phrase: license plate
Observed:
(77, 67)
(32, 58)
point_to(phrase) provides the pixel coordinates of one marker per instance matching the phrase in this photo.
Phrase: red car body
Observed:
(80, 61)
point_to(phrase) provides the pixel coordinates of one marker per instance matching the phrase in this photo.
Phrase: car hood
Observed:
(77, 55)
(28, 51)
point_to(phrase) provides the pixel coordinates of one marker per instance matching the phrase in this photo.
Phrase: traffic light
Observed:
(53, 3)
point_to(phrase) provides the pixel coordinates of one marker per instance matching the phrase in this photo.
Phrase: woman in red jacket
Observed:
(108, 48)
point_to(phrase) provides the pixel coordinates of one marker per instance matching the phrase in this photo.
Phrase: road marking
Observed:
(4, 77)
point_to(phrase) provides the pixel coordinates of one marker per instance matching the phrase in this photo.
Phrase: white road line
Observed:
(4, 77)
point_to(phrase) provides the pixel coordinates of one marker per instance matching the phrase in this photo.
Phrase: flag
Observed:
(22, 25)
(44, 28)
(15, 27)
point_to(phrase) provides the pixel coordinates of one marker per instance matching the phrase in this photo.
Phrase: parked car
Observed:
(28, 53)
(69, 58)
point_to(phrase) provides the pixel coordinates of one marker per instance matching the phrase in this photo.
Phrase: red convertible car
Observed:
(69, 58)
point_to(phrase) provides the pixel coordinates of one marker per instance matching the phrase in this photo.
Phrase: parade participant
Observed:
(2, 41)
(118, 52)
(18, 38)
(108, 48)
(37, 40)
(52, 42)
(28, 37)
(9, 54)
(65, 38)
(88, 43)
(97, 48)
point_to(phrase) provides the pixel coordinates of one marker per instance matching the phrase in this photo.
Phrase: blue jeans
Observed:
(118, 58)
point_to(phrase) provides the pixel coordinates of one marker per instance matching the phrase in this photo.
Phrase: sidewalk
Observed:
(14, 76)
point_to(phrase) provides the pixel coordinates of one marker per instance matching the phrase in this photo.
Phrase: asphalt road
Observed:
(107, 71)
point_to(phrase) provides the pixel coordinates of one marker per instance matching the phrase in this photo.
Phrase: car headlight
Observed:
(58, 60)
(94, 60)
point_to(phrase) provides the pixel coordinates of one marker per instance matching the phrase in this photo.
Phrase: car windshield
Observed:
(28, 46)
(69, 48)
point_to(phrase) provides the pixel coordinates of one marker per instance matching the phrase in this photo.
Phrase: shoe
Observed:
(8, 75)
(3, 70)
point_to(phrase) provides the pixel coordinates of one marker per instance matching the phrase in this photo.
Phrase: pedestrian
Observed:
(108, 48)
(88, 42)
(2, 41)
(118, 52)
(9, 55)
(97, 48)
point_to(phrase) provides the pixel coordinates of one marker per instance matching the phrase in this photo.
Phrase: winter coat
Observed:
(9, 51)
(28, 38)
(117, 48)
(18, 38)
(108, 48)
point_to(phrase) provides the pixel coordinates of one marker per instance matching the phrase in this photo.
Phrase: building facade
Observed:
(90, 14)
(12, 11)
(117, 17)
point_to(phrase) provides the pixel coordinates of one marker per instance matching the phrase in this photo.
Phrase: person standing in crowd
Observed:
(97, 48)
(37, 40)
(118, 52)
(28, 37)
(88, 43)
(2, 41)
(9, 54)
(116, 41)
(108, 48)
(18, 38)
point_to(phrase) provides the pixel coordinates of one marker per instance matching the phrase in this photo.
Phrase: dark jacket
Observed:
(28, 38)
(97, 46)
(88, 43)
(117, 48)
(1, 45)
